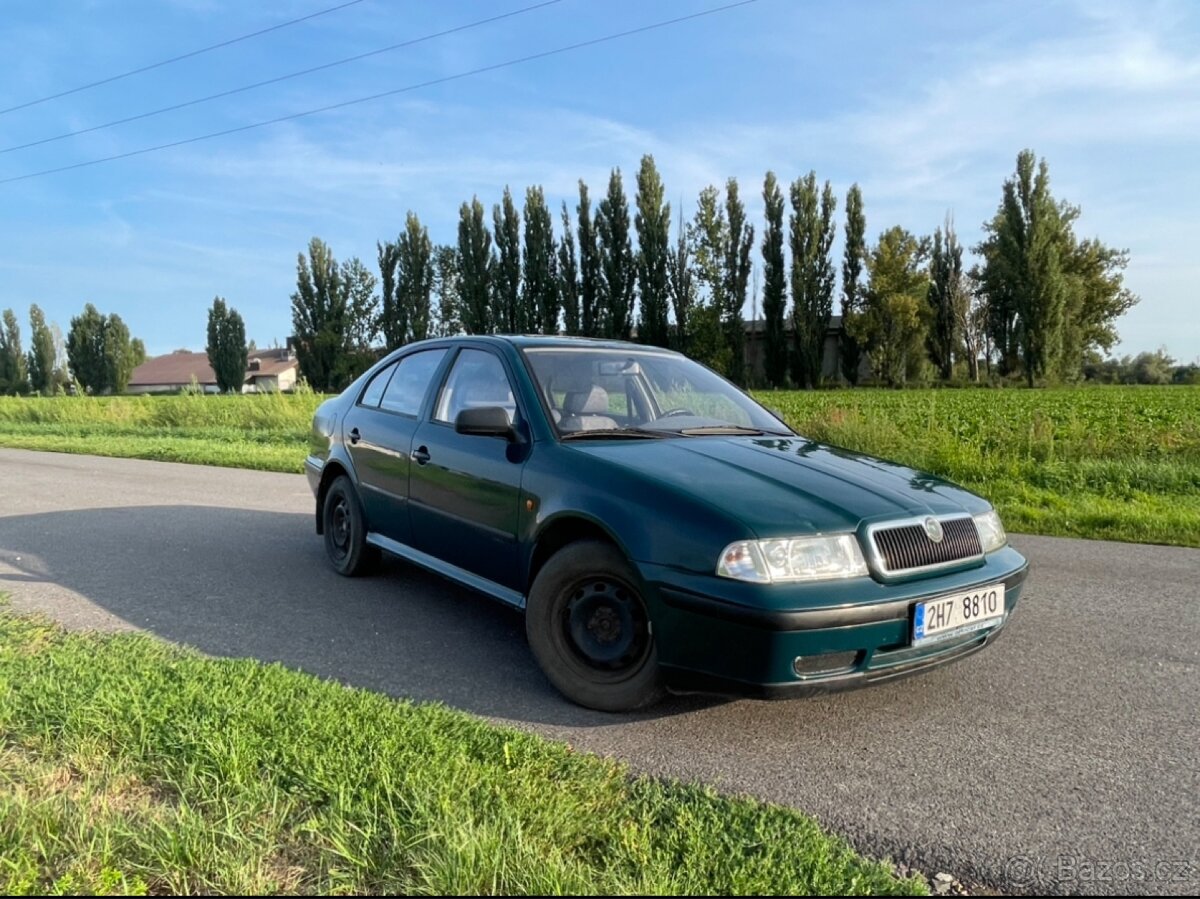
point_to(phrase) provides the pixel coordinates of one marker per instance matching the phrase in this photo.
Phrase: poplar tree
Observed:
(506, 280)
(43, 356)
(568, 276)
(775, 348)
(653, 224)
(737, 276)
(226, 346)
(945, 295)
(320, 318)
(590, 315)
(854, 255)
(414, 278)
(475, 269)
(618, 271)
(540, 287)
(13, 368)
(812, 232)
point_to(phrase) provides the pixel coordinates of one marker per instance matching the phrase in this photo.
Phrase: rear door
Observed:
(378, 432)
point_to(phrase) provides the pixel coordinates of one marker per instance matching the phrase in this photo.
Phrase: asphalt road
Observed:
(1065, 758)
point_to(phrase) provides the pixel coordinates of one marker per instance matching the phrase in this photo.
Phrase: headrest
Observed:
(586, 402)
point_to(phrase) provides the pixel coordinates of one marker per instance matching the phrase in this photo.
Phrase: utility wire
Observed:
(258, 84)
(182, 56)
(400, 90)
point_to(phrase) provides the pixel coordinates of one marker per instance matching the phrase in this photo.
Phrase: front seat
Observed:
(586, 410)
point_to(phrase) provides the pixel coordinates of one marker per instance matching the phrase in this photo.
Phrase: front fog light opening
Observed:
(826, 664)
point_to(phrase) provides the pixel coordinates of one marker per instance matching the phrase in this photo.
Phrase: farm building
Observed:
(267, 371)
(756, 336)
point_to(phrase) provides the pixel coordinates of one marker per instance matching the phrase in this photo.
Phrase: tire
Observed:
(346, 531)
(589, 630)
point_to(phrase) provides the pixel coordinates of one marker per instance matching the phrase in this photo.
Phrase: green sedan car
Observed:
(659, 528)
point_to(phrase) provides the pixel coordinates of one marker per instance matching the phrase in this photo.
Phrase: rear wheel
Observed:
(589, 630)
(346, 531)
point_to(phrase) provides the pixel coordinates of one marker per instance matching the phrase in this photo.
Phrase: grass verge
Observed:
(128, 765)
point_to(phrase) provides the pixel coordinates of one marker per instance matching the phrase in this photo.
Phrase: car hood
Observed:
(788, 485)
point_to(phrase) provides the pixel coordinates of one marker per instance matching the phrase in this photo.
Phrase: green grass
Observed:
(1116, 463)
(130, 766)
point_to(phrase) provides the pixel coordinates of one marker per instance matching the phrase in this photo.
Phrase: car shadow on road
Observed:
(242, 583)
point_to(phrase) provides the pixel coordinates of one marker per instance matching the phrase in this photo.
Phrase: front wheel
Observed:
(588, 628)
(346, 530)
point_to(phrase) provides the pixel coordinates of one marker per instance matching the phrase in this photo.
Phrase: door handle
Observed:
(420, 455)
(355, 436)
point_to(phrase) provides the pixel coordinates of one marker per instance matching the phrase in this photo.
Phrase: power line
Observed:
(400, 90)
(182, 56)
(258, 84)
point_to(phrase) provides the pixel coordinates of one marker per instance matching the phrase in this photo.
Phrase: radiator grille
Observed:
(908, 547)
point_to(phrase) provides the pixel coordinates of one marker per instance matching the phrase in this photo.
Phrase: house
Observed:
(173, 372)
(271, 371)
(266, 371)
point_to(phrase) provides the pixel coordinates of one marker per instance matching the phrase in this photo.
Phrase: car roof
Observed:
(529, 341)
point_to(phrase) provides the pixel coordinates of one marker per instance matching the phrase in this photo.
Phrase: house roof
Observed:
(174, 368)
(178, 368)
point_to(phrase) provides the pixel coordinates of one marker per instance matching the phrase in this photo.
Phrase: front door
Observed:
(464, 490)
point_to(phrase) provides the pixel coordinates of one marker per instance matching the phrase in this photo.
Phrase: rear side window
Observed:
(374, 392)
(411, 381)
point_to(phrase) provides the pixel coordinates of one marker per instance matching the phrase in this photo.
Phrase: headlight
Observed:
(991, 531)
(791, 559)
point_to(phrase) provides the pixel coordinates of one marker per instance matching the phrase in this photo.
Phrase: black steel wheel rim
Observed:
(605, 625)
(340, 527)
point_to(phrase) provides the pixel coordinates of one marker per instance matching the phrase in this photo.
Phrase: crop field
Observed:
(1117, 463)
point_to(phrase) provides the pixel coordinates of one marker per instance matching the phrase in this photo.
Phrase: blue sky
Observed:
(925, 105)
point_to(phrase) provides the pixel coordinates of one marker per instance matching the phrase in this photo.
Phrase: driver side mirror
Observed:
(485, 421)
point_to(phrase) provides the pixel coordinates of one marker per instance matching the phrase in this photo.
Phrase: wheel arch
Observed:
(562, 530)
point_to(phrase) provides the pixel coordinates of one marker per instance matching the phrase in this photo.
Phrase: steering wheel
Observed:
(678, 411)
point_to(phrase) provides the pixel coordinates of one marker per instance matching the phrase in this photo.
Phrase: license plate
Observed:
(958, 613)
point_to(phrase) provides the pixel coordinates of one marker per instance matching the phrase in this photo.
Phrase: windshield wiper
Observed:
(609, 433)
(731, 429)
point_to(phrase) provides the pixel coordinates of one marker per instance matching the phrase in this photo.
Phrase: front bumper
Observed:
(722, 636)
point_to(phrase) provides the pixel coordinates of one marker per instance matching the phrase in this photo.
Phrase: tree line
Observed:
(1039, 303)
(98, 354)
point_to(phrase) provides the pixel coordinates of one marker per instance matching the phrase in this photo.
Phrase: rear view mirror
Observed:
(627, 367)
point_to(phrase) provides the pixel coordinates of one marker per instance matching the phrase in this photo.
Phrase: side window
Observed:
(408, 386)
(374, 392)
(477, 379)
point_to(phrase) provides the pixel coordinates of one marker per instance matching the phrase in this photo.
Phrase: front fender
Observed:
(651, 522)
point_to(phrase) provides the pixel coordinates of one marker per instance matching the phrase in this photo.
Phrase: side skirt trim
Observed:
(453, 572)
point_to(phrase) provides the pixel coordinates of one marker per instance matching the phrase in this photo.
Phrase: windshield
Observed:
(618, 392)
